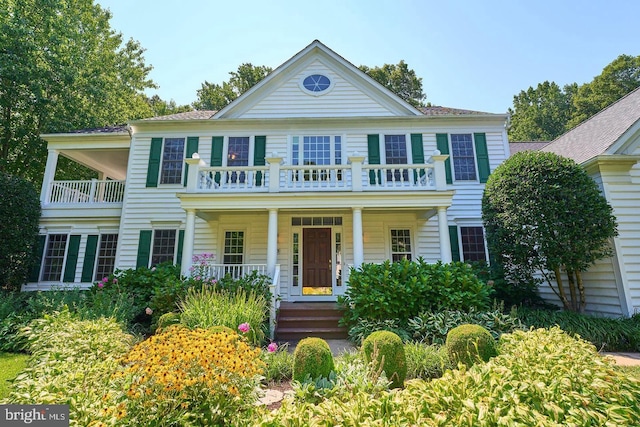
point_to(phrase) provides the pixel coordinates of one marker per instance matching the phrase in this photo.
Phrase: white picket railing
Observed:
(85, 192)
(236, 271)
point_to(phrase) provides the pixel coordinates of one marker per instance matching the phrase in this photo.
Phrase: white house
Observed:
(315, 169)
(608, 147)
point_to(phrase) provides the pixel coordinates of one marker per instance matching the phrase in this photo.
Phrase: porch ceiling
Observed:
(423, 203)
(112, 162)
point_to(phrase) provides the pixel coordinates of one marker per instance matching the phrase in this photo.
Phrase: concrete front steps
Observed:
(298, 320)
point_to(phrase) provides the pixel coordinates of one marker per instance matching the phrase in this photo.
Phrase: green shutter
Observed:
(417, 153)
(455, 245)
(144, 248)
(192, 147)
(373, 143)
(442, 141)
(180, 246)
(38, 250)
(482, 155)
(72, 259)
(217, 142)
(155, 154)
(259, 153)
(89, 259)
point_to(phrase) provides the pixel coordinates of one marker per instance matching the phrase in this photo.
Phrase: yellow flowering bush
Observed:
(187, 377)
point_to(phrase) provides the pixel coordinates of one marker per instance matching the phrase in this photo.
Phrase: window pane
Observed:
(473, 243)
(172, 160)
(464, 162)
(164, 245)
(400, 244)
(316, 150)
(106, 255)
(54, 257)
(233, 247)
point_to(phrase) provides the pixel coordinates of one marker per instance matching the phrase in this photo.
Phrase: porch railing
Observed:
(274, 288)
(85, 192)
(236, 271)
(354, 176)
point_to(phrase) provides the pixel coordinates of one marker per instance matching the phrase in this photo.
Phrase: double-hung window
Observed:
(400, 244)
(395, 150)
(172, 161)
(106, 255)
(464, 159)
(473, 247)
(164, 246)
(233, 253)
(54, 257)
(238, 155)
(318, 151)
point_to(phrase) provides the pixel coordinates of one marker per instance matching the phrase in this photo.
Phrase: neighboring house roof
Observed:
(516, 147)
(596, 135)
(188, 115)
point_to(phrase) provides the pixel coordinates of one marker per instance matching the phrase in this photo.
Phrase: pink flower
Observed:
(244, 328)
(115, 280)
(105, 279)
(148, 311)
(272, 348)
(100, 285)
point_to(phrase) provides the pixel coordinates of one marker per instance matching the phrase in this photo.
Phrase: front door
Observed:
(316, 256)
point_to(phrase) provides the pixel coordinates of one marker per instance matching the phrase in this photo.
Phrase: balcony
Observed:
(355, 176)
(90, 192)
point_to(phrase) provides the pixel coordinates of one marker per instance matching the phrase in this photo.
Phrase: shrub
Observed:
(467, 344)
(167, 320)
(188, 377)
(20, 213)
(402, 289)
(541, 378)
(426, 361)
(312, 358)
(209, 307)
(363, 328)
(279, 364)
(386, 350)
(432, 327)
(71, 363)
(608, 334)
(252, 282)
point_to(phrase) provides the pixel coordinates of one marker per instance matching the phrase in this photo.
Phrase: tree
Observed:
(540, 114)
(161, 107)
(212, 96)
(544, 214)
(62, 68)
(400, 79)
(20, 213)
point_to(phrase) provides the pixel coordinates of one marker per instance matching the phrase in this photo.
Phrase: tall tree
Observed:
(160, 107)
(400, 79)
(212, 96)
(540, 114)
(62, 67)
(543, 214)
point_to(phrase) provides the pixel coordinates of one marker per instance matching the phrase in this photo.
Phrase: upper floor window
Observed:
(322, 150)
(400, 244)
(464, 160)
(395, 150)
(172, 161)
(473, 247)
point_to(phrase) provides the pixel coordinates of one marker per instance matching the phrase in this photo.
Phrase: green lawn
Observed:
(10, 365)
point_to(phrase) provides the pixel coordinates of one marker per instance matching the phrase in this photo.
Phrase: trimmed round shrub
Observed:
(312, 359)
(385, 349)
(469, 343)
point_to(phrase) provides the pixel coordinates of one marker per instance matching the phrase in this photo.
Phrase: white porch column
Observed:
(443, 228)
(272, 241)
(356, 171)
(187, 245)
(49, 174)
(358, 245)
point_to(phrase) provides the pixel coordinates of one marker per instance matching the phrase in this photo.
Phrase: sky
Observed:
(474, 54)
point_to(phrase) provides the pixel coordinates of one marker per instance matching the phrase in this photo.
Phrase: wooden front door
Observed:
(316, 270)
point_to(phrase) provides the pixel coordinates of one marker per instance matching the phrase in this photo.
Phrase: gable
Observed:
(351, 93)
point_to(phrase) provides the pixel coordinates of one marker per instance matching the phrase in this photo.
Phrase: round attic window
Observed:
(316, 83)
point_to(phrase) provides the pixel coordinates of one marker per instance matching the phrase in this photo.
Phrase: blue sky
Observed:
(470, 54)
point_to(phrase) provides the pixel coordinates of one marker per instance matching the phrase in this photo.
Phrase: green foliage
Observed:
(251, 282)
(167, 320)
(467, 344)
(71, 363)
(607, 334)
(541, 378)
(364, 327)
(516, 291)
(279, 364)
(399, 79)
(63, 68)
(20, 213)
(401, 290)
(213, 96)
(10, 365)
(385, 350)
(426, 361)
(161, 107)
(208, 307)
(433, 327)
(543, 213)
(312, 359)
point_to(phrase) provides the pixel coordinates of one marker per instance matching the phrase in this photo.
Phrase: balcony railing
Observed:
(354, 176)
(85, 192)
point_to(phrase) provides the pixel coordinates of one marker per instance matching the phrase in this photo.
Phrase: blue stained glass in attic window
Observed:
(316, 83)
